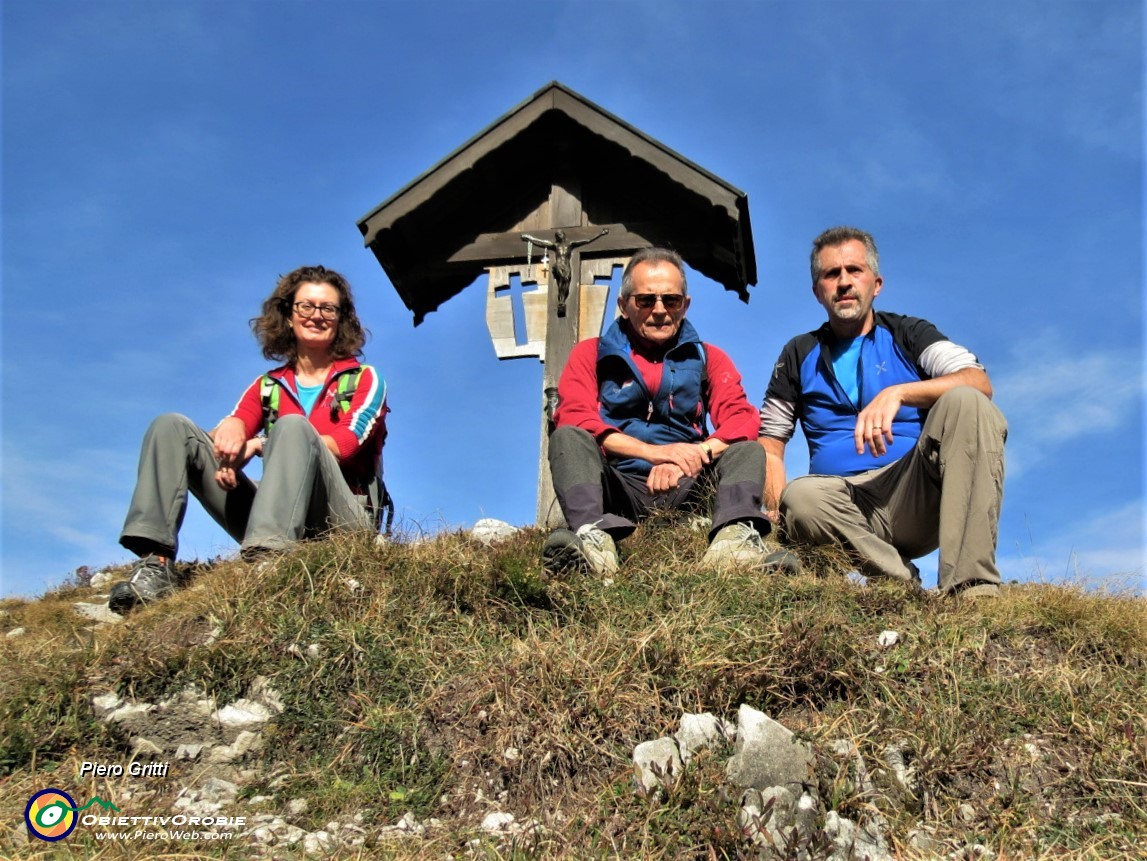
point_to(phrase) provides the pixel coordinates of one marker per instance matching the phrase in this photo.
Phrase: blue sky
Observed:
(163, 163)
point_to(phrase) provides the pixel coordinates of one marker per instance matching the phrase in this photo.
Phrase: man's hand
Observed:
(664, 477)
(874, 424)
(689, 457)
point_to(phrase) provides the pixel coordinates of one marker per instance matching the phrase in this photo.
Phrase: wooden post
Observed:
(561, 335)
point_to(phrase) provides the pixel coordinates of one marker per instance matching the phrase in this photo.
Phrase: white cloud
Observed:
(1053, 395)
(1106, 551)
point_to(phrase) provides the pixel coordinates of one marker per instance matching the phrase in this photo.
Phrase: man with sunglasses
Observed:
(631, 429)
(906, 448)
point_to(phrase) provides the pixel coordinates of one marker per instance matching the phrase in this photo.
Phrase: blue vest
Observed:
(674, 413)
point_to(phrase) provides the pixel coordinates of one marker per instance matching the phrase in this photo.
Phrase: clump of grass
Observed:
(446, 679)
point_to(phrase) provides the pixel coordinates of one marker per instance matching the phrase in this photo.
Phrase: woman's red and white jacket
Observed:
(359, 431)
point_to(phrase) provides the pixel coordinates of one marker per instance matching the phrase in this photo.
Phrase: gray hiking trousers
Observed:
(944, 493)
(302, 493)
(590, 490)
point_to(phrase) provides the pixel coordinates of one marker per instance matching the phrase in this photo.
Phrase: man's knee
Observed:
(802, 505)
(965, 401)
(965, 398)
(571, 439)
(742, 461)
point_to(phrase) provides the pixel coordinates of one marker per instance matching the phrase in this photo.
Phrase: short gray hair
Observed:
(835, 236)
(651, 255)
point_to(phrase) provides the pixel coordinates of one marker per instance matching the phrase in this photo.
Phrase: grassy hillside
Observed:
(446, 680)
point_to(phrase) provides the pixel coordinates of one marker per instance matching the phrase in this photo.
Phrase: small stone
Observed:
(512, 754)
(887, 639)
(966, 812)
(145, 747)
(104, 704)
(188, 751)
(314, 651)
(656, 765)
(102, 580)
(243, 714)
(319, 843)
(256, 800)
(490, 531)
(352, 584)
(16, 632)
(297, 806)
(498, 821)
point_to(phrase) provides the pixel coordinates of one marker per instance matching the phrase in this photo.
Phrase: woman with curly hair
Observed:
(318, 422)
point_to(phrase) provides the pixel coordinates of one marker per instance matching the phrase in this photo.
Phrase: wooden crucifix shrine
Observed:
(553, 196)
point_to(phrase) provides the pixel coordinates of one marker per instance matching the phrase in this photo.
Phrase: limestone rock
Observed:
(656, 764)
(767, 753)
(491, 531)
(699, 731)
(97, 612)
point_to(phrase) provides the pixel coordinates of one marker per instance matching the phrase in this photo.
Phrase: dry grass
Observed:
(455, 680)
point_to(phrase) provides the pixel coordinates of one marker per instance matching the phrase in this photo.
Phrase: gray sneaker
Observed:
(587, 549)
(737, 545)
(152, 578)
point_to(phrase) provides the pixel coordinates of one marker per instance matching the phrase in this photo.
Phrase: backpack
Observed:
(270, 391)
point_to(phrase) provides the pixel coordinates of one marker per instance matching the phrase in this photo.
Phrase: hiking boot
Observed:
(152, 577)
(588, 549)
(976, 589)
(735, 545)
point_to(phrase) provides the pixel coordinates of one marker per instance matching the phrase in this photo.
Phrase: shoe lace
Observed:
(149, 570)
(745, 534)
(595, 538)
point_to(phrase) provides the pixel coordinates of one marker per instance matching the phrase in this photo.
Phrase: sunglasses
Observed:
(645, 301)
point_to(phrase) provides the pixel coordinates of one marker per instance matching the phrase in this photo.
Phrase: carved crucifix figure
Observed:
(563, 273)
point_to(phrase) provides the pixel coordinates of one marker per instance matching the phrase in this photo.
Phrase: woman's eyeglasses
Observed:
(645, 301)
(308, 309)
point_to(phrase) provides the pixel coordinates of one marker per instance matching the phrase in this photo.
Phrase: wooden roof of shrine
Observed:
(435, 236)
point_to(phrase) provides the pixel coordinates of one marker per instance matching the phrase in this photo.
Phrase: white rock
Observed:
(256, 800)
(104, 704)
(656, 764)
(130, 711)
(700, 731)
(97, 612)
(497, 821)
(243, 714)
(145, 747)
(244, 743)
(490, 531)
(888, 639)
(262, 692)
(297, 806)
(188, 751)
(314, 651)
(102, 579)
(319, 843)
(16, 632)
(766, 753)
(352, 584)
(512, 754)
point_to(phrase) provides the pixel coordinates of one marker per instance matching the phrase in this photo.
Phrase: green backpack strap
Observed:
(344, 394)
(269, 394)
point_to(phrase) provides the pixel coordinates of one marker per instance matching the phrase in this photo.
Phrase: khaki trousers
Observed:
(945, 493)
